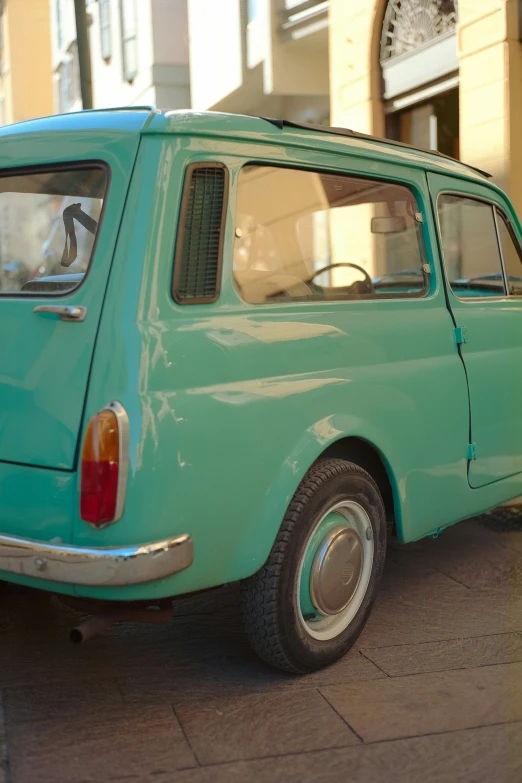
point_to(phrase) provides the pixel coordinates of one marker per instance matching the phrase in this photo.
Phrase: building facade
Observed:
(441, 74)
(139, 53)
(260, 57)
(25, 82)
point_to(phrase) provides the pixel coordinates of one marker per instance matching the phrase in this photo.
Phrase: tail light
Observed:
(104, 466)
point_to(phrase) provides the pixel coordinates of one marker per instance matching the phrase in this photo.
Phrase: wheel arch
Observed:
(334, 436)
(370, 458)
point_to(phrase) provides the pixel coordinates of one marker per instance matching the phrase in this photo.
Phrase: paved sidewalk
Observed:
(432, 692)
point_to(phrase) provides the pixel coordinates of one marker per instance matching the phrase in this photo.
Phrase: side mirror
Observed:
(388, 225)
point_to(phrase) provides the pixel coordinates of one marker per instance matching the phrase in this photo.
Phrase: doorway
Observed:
(432, 124)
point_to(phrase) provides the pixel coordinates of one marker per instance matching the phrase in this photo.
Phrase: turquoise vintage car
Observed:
(238, 349)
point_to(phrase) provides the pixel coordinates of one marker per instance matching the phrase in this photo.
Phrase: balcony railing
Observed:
(299, 19)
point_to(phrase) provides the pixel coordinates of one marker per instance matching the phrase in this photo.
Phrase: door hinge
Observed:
(472, 451)
(461, 335)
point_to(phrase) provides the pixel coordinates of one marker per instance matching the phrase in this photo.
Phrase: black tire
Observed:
(268, 598)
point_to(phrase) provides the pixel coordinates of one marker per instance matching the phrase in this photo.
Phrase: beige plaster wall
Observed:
(26, 67)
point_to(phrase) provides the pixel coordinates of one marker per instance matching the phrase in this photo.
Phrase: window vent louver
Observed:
(197, 264)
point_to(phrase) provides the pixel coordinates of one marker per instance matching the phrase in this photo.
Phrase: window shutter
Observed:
(129, 43)
(105, 29)
(58, 17)
(199, 246)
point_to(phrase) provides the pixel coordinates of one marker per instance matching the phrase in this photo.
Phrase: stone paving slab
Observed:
(262, 725)
(235, 676)
(470, 554)
(419, 704)
(512, 540)
(415, 579)
(439, 615)
(443, 656)
(483, 755)
(139, 744)
(27, 703)
(33, 656)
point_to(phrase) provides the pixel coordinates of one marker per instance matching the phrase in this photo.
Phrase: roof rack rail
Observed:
(282, 124)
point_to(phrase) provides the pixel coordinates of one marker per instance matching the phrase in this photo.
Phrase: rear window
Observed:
(49, 221)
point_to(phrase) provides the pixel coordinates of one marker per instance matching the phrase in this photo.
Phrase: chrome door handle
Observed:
(65, 313)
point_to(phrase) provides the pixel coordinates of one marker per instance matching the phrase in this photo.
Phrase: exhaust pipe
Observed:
(154, 614)
(89, 628)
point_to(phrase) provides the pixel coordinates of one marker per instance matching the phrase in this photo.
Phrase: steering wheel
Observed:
(367, 279)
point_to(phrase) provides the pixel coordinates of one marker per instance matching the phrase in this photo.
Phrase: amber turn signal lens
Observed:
(102, 442)
(100, 469)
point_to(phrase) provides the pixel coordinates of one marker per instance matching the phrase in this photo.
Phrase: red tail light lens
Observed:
(101, 483)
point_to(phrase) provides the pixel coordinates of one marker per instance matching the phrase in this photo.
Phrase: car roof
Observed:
(321, 137)
(148, 120)
(125, 118)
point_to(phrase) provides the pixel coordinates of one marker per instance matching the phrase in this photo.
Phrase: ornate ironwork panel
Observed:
(409, 24)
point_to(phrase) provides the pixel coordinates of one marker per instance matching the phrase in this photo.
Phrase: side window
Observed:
(308, 236)
(512, 255)
(470, 246)
(48, 226)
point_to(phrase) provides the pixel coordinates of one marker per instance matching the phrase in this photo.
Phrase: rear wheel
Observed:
(308, 604)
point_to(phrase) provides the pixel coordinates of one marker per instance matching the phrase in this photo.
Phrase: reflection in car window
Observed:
(470, 246)
(308, 236)
(48, 225)
(512, 255)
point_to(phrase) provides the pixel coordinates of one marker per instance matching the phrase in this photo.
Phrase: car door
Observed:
(481, 256)
(57, 233)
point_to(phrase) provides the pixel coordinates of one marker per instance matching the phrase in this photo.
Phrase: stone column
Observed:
(355, 75)
(490, 60)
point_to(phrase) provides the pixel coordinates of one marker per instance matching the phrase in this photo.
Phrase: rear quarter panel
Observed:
(231, 403)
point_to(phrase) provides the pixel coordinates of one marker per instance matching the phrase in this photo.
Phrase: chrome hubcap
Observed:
(336, 570)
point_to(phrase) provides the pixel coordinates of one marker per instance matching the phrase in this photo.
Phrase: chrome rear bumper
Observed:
(98, 567)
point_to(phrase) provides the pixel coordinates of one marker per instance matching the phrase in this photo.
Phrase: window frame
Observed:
(49, 168)
(66, 85)
(58, 18)
(105, 29)
(426, 268)
(128, 75)
(500, 213)
(494, 206)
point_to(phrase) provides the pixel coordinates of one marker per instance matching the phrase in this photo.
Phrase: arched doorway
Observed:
(418, 56)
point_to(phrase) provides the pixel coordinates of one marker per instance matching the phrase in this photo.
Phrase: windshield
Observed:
(48, 226)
